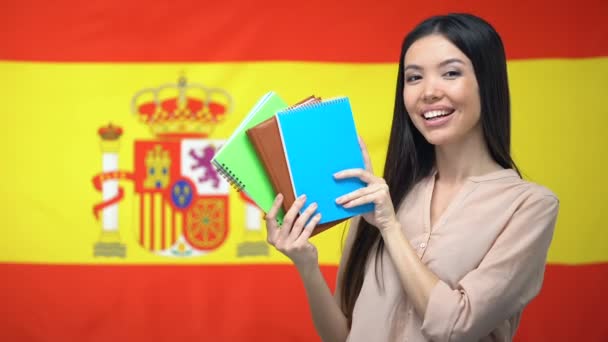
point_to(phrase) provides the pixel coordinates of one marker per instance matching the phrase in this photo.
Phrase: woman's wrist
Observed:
(307, 269)
(390, 228)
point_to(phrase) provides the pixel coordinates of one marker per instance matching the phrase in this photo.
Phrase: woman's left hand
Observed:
(383, 216)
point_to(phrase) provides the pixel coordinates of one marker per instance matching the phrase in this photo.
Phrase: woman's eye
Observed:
(452, 74)
(412, 78)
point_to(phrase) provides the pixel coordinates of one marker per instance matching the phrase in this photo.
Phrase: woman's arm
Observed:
(327, 316)
(292, 240)
(417, 280)
(508, 277)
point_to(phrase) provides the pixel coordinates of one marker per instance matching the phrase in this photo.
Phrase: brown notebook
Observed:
(266, 139)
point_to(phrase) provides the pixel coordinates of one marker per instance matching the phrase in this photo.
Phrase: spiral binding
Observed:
(313, 104)
(229, 176)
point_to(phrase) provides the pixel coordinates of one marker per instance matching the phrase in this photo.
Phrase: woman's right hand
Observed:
(291, 238)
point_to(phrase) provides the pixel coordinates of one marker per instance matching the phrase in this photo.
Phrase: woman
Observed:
(456, 246)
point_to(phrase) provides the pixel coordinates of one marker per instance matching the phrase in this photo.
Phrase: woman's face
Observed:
(440, 90)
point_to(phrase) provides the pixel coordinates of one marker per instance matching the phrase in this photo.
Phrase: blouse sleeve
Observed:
(507, 279)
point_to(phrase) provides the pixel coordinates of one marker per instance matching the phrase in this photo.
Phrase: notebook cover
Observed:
(269, 148)
(238, 162)
(319, 140)
(266, 139)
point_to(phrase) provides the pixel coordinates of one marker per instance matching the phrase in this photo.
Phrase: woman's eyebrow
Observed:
(444, 63)
(413, 67)
(450, 61)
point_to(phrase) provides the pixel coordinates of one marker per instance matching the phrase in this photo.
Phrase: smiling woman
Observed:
(72, 66)
(441, 88)
(467, 267)
(485, 232)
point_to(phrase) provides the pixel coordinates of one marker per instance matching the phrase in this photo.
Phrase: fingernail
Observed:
(302, 197)
(339, 200)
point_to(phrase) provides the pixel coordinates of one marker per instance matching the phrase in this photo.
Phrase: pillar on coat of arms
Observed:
(255, 244)
(109, 243)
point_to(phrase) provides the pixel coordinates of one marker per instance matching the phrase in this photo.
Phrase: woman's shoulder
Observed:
(507, 192)
(509, 180)
(526, 193)
(537, 190)
(538, 197)
(521, 201)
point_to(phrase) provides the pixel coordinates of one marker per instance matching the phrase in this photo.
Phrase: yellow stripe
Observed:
(51, 151)
(145, 233)
(559, 140)
(178, 224)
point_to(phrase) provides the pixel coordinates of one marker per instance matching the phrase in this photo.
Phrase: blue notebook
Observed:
(319, 140)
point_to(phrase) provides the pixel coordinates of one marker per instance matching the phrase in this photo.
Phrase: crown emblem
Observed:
(110, 132)
(181, 110)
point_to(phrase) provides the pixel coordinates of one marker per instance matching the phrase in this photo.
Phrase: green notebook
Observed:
(237, 160)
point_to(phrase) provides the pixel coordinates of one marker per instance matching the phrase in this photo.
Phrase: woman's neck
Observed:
(465, 158)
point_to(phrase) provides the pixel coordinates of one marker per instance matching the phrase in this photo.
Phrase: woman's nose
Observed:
(431, 91)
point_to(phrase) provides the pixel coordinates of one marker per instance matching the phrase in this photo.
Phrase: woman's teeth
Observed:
(436, 113)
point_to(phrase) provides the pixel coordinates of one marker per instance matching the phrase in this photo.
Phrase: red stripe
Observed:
(235, 303)
(571, 306)
(314, 30)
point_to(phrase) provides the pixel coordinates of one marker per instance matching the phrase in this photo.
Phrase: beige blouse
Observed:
(488, 249)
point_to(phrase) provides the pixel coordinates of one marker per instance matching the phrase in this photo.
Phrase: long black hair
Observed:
(410, 158)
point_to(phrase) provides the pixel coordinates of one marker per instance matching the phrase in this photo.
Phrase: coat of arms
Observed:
(183, 203)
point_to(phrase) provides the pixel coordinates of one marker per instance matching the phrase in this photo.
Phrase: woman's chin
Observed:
(438, 139)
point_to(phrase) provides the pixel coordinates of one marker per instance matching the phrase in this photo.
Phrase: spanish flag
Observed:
(115, 227)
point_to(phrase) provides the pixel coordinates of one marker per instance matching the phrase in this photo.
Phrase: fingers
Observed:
(290, 217)
(271, 219)
(366, 159)
(372, 194)
(308, 229)
(357, 193)
(301, 221)
(274, 210)
(296, 229)
(364, 175)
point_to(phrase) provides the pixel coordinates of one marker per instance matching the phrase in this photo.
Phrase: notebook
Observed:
(266, 140)
(319, 140)
(238, 162)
